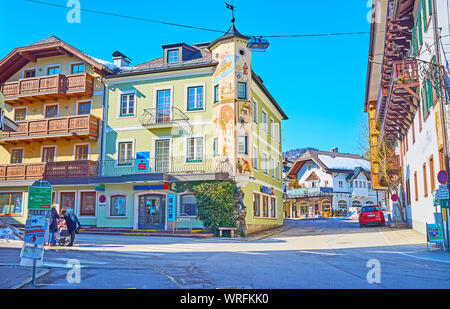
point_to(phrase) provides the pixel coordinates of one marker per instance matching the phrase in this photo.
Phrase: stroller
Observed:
(62, 235)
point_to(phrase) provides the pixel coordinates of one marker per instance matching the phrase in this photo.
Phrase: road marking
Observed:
(321, 253)
(413, 256)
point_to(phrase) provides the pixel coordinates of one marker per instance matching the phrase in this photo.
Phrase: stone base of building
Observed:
(253, 228)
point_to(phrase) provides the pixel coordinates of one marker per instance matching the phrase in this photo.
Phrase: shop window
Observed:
(273, 207)
(188, 205)
(10, 203)
(118, 206)
(87, 204)
(265, 202)
(256, 205)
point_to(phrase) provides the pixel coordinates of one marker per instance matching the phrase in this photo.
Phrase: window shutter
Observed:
(414, 41)
(419, 23)
(423, 103)
(430, 7)
(424, 15)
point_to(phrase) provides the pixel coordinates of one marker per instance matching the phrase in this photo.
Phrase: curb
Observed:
(29, 280)
(279, 230)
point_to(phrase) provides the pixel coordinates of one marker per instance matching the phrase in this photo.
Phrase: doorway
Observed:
(152, 212)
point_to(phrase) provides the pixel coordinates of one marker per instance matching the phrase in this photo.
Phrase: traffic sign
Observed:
(442, 177)
(394, 197)
(102, 198)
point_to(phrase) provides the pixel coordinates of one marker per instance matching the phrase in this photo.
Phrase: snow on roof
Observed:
(109, 65)
(344, 163)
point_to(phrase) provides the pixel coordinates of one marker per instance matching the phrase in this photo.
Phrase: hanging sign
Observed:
(267, 190)
(142, 162)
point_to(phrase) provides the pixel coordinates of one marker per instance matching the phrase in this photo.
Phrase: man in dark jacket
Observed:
(53, 228)
(73, 224)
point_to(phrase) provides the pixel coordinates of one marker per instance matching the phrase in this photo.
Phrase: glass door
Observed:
(163, 106)
(152, 211)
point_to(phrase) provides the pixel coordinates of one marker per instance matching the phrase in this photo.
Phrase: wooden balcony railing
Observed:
(47, 87)
(64, 127)
(405, 71)
(65, 169)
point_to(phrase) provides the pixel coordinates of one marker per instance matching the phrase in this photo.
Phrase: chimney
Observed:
(120, 60)
(335, 149)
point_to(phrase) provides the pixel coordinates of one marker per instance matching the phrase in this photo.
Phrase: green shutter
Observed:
(424, 15)
(423, 104)
(429, 93)
(419, 24)
(430, 7)
(414, 42)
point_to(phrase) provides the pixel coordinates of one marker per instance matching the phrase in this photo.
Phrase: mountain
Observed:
(294, 154)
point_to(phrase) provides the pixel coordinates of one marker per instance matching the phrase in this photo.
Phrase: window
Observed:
(118, 206)
(265, 205)
(216, 93)
(431, 161)
(215, 146)
(51, 111)
(163, 105)
(188, 205)
(413, 133)
(195, 98)
(441, 158)
(77, 68)
(127, 105)
(255, 112)
(10, 203)
(67, 200)
(242, 90)
(16, 156)
(265, 164)
(341, 184)
(264, 121)
(342, 208)
(84, 108)
(20, 114)
(81, 152)
(125, 153)
(256, 205)
(425, 184)
(243, 144)
(194, 149)
(273, 207)
(408, 192)
(272, 128)
(278, 171)
(87, 204)
(172, 56)
(416, 191)
(351, 184)
(48, 154)
(273, 168)
(29, 73)
(53, 70)
(277, 132)
(255, 157)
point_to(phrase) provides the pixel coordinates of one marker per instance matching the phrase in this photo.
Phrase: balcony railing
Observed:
(51, 86)
(64, 169)
(162, 118)
(317, 191)
(81, 125)
(169, 165)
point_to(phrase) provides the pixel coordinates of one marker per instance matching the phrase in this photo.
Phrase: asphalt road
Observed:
(326, 254)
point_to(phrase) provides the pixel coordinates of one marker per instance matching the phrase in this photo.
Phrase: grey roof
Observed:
(51, 39)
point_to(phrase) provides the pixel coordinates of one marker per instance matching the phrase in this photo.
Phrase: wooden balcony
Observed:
(49, 87)
(81, 126)
(64, 169)
(397, 102)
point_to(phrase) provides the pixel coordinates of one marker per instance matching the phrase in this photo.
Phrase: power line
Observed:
(201, 28)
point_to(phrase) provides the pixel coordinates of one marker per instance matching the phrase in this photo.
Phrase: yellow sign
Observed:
(444, 214)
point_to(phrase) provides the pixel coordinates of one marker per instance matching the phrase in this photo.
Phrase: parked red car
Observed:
(371, 215)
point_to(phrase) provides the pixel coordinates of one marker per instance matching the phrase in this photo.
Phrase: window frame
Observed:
(125, 164)
(75, 147)
(242, 141)
(187, 145)
(25, 108)
(181, 205)
(128, 114)
(11, 193)
(24, 71)
(81, 213)
(109, 214)
(52, 66)
(84, 102)
(43, 148)
(13, 149)
(187, 97)
(46, 106)
(244, 84)
(216, 93)
(169, 51)
(78, 63)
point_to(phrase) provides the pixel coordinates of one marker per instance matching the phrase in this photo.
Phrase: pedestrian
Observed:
(73, 224)
(53, 226)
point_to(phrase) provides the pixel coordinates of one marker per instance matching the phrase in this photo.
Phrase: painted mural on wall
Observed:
(232, 117)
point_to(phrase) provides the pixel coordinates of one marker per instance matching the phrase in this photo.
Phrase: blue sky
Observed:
(318, 81)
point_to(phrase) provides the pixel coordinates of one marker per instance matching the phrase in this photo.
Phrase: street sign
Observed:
(442, 177)
(35, 229)
(442, 193)
(102, 199)
(39, 197)
(394, 197)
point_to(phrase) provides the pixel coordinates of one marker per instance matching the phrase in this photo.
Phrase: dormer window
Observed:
(172, 56)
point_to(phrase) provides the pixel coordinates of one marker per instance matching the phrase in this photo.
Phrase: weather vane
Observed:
(231, 7)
